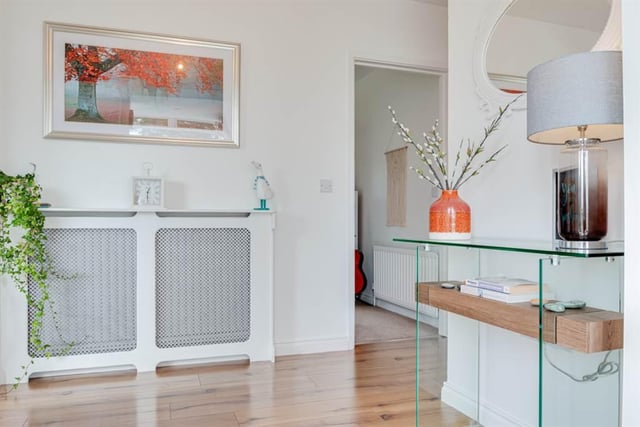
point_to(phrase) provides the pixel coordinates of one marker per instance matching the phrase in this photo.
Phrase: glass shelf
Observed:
(563, 357)
(615, 248)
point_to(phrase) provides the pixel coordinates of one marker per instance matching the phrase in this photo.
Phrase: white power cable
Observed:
(604, 368)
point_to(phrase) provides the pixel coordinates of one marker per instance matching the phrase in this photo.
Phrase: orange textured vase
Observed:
(450, 217)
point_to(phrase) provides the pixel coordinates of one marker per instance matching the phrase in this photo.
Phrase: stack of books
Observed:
(505, 289)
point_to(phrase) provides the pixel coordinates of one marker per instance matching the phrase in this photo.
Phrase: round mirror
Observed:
(531, 32)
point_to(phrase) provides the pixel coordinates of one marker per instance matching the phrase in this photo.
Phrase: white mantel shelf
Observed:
(179, 213)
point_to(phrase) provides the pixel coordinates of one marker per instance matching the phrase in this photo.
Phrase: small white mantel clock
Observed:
(148, 191)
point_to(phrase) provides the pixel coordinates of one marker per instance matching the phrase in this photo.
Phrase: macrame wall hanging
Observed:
(397, 187)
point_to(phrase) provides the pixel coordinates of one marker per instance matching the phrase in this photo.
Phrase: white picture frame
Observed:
(147, 88)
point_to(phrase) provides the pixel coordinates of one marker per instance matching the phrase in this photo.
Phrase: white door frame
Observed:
(438, 70)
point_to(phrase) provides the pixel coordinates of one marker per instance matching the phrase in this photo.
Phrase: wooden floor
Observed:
(372, 385)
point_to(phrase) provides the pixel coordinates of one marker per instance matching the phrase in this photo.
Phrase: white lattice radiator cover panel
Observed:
(203, 286)
(94, 294)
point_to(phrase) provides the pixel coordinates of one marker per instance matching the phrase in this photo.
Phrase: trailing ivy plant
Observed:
(23, 255)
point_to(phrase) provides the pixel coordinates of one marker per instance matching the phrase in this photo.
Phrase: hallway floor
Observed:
(375, 324)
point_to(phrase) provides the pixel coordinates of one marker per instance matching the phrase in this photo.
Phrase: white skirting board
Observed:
(313, 346)
(411, 314)
(486, 415)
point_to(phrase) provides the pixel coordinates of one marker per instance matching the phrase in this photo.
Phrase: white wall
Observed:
(510, 199)
(526, 167)
(416, 98)
(3, 90)
(295, 117)
(523, 174)
(631, 58)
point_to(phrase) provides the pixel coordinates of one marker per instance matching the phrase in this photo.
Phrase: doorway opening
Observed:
(418, 95)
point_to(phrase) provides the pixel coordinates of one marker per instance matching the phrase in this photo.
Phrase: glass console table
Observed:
(516, 363)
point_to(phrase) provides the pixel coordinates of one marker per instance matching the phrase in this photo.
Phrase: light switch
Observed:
(326, 186)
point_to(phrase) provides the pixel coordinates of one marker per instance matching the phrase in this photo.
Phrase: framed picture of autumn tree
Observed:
(113, 85)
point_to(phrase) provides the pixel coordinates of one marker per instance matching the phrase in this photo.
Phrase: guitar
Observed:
(361, 280)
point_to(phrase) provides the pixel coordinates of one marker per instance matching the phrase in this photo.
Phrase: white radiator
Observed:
(394, 275)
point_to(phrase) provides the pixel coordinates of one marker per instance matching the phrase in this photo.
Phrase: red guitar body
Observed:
(361, 280)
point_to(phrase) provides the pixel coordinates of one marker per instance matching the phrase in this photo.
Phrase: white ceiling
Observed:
(587, 14)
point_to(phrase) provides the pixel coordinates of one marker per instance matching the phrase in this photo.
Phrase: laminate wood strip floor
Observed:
(369, 386)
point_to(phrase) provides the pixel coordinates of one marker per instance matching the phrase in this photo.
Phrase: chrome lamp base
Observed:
(581, 245)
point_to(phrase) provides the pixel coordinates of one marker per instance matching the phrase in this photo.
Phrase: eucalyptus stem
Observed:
(405, 134)
(455, 166)
(434, 156)
(474, 150)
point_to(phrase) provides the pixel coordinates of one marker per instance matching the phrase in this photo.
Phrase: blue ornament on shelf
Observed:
(262, 187)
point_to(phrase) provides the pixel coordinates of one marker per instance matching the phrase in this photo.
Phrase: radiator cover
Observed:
(144, 288)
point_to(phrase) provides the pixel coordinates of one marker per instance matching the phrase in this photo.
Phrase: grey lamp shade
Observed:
(574, 90)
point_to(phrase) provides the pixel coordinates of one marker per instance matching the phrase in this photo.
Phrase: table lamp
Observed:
(576, 100)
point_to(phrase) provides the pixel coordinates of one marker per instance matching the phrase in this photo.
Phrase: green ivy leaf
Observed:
(26, 260)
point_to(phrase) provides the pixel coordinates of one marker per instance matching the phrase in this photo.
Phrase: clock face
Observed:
(147, 192)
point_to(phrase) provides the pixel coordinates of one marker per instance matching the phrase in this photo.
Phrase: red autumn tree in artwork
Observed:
(90, 64)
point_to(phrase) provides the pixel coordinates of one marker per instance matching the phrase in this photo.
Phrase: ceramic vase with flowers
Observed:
(450, 216)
